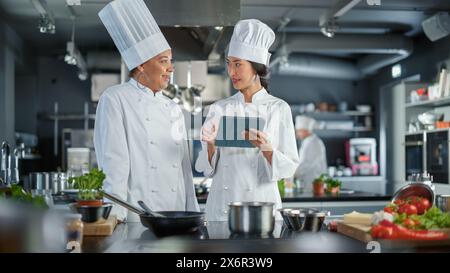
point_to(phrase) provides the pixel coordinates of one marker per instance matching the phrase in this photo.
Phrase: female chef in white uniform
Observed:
(248, 174)
(140, 135)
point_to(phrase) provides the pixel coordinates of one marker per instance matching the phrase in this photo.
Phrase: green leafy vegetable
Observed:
(320, 179)
(17, 193)
(89, 184)
(434, 218)
(332, 183)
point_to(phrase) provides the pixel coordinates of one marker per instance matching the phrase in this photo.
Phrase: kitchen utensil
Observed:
(90, 214)
(174, 222)
(284, 213)
(443, 202)
(415, 189)
(306, 219)
(5, 170)
(148, 210)
(58, 182)
(251, 217)
(39, 181)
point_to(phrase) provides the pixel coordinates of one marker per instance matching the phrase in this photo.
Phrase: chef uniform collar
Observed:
(145, 91)
(257, 97)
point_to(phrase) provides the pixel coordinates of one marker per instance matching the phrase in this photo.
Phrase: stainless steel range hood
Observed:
(194, 13)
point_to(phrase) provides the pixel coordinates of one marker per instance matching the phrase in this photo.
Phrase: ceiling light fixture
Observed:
(74, 57)
(46, 25)
(46, 20)
(328, 21)
(329, 28)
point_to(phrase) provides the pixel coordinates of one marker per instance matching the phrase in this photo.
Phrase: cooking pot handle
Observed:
(121, 202)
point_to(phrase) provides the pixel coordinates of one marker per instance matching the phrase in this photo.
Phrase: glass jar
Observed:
(74, 231)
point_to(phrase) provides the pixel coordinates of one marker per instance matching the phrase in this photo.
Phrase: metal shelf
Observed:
(426, 131)
(334, 114)
(430, 103)
(355, 129)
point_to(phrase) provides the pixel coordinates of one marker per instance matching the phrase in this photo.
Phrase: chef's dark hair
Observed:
(262, 72)
(133, 72)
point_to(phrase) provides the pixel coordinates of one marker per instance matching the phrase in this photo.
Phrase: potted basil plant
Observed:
(89, 186)
(333, 186)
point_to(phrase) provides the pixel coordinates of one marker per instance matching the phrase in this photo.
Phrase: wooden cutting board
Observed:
(360, 233)
(100, 228)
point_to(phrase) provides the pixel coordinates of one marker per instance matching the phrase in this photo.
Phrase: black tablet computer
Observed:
(231, 127)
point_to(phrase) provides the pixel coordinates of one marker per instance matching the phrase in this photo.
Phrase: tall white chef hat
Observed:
(251, 41)
(304, 122)
(134, 31)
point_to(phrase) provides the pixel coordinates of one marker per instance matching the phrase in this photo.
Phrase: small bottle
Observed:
(74, 229)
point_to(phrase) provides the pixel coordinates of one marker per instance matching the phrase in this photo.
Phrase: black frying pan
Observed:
(171, 222)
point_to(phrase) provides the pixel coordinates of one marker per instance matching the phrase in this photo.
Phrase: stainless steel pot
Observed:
(39, 181)
(443, 202)
(251, 217)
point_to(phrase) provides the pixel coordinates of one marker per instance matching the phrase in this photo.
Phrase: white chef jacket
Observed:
(140, 143)
(244, 174)
(313, 160)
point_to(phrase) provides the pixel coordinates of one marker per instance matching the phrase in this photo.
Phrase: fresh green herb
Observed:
(89, 184)
(320, 179)
(17, 193)
(332, 183)
(434, 218)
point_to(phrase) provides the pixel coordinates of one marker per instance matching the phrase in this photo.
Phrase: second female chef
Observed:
(248, 174)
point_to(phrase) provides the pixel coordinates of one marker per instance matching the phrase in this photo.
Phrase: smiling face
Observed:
(157, 70)
(241, 73)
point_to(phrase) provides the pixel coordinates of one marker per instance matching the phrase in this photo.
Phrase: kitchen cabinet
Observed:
(426, 147)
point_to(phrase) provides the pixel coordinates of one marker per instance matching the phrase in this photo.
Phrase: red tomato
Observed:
(399, 202)
(383, 232)
(422, 204)
(408, 209)
(425, 203)
(389, 209)
(409, 223)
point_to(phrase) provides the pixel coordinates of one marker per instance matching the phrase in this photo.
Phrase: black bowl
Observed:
(90, 214)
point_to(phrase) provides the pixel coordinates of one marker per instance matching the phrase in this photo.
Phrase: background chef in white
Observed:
(140, 136)
(312, 153)
(248, 174)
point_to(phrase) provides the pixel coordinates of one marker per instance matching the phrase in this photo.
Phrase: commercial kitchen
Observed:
(372, 75)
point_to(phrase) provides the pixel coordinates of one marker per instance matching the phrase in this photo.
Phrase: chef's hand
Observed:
(260, 140)
(209, 136)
